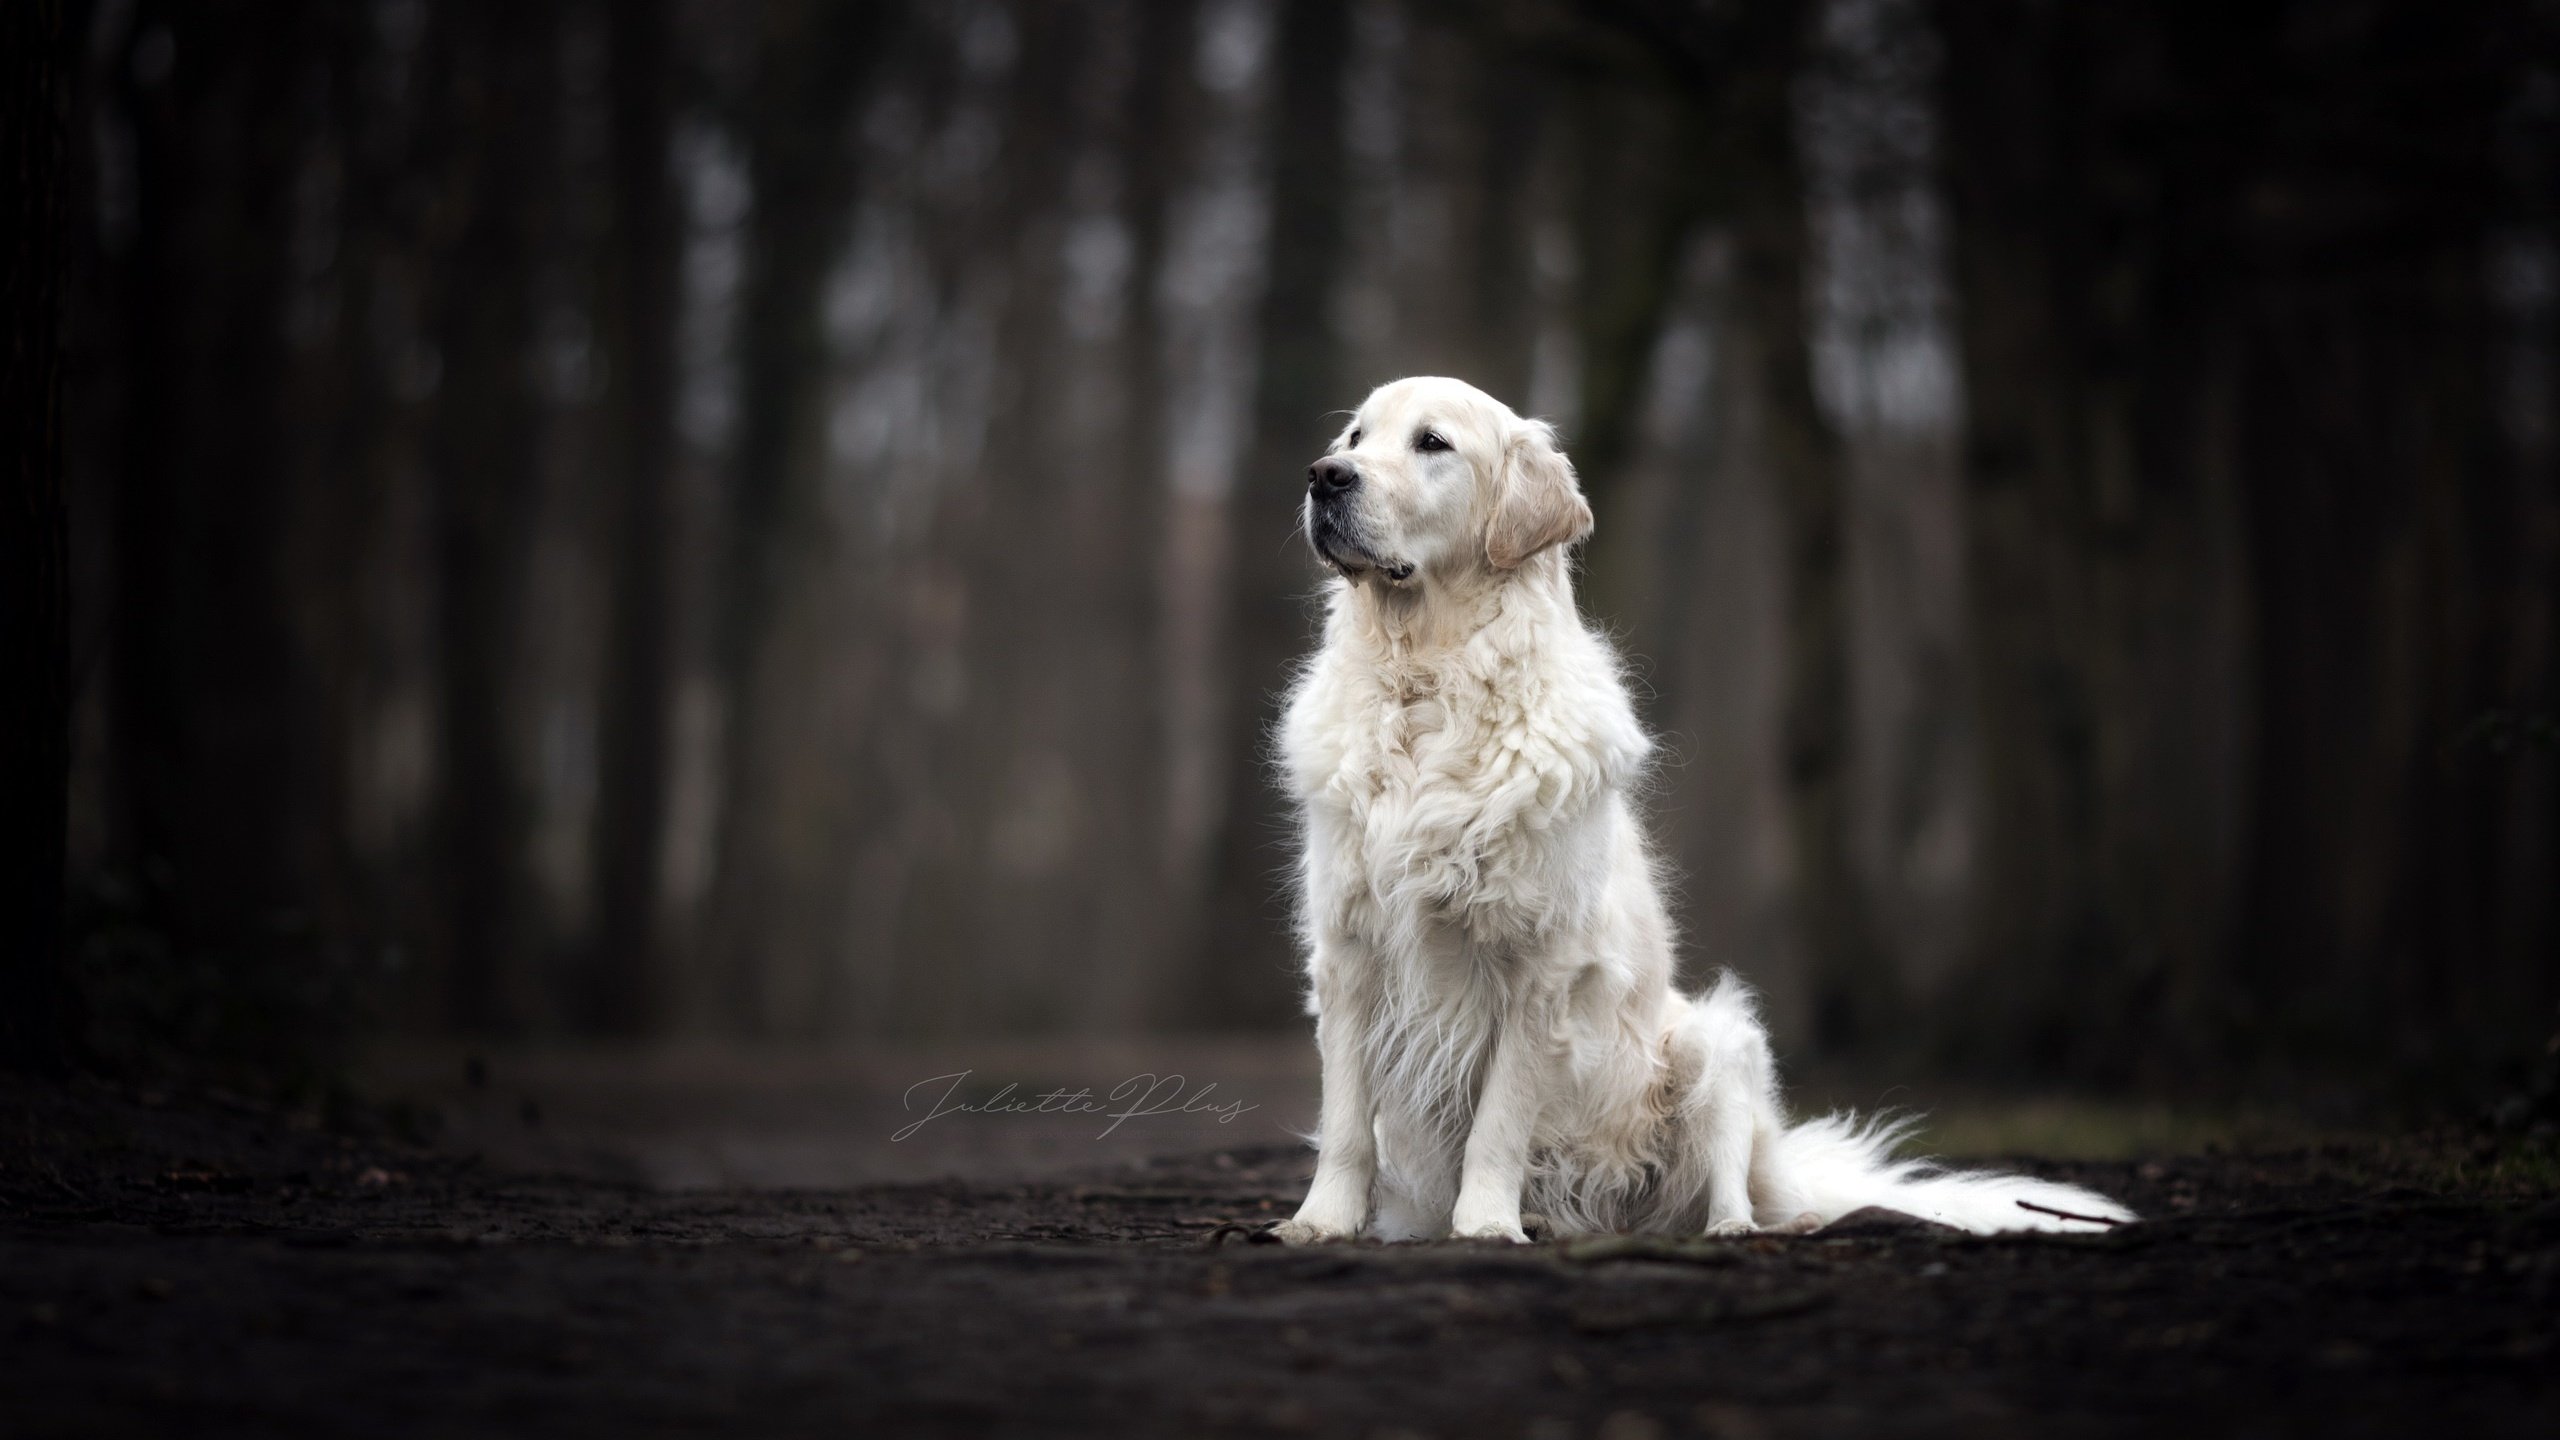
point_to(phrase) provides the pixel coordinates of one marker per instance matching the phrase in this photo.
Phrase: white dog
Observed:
(1488, 956)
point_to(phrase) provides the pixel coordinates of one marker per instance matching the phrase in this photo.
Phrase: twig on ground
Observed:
(1233, 1230)
(2067, 1215)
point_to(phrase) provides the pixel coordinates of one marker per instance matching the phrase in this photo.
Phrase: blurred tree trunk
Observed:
(35, 694)
(212, 705)
(1507, 107)
(2221, 302)
(621, 986)
(811, 69)
(360, 450)
(1468, 105)
(1137, 919)
(2388, 553)
(1645, 153)
(1761, 192)
(2076, 533)
(986, 905)
(1640, 189)
(1246, 966)
(498, 70)
(1041, 804)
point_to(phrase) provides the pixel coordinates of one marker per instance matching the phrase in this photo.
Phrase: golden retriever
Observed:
(1489, 959)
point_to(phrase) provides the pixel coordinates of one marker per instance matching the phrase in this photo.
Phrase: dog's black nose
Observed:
(1331, 476)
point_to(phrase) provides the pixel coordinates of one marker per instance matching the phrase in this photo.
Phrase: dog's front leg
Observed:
(1516, 1085)
(1337, 1204)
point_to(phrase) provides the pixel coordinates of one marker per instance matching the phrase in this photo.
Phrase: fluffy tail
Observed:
(1838, 1164)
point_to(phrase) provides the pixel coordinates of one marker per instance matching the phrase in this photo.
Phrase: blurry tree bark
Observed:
(359, 439)
(1644, 78)
(1760, 191)
(1029, 527)
(620, 986)
(1508, 109)
(497, 67)
(2058, 225)
(1468, 110)
(1640, 192)
(212, 705)
(812, 66)
(2230, 529)
(34, 551)
(1245, 967)
(2391, 545)
(1138, 920)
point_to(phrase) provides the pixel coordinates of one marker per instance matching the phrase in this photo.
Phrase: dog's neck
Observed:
(1440, 615)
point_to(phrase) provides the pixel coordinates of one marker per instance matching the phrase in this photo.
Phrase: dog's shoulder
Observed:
(1562, 713)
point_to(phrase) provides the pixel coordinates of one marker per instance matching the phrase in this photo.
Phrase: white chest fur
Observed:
(1443, 789)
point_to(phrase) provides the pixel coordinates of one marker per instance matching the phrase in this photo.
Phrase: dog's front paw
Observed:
(1487, 1222)
(1725, 1229)
(1303, 1231)
(1494, 1215)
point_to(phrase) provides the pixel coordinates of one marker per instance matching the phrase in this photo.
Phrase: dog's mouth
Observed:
(1340, 547)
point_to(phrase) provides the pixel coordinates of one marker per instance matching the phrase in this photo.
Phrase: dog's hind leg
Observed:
(1735, 1089)
(1726, 1118)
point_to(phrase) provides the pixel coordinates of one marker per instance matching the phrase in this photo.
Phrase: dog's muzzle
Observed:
(1334, 528)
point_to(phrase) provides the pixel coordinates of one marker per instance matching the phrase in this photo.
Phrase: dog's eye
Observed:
(1353, 443)
(1429, 441)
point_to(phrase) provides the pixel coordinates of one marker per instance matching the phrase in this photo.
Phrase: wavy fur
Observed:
(1489, 958)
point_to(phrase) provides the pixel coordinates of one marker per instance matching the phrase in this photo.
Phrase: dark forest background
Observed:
(773, 521)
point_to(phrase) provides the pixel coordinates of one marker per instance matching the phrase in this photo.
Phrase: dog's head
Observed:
(1434, 480)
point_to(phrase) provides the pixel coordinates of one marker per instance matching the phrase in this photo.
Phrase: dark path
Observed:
(191, 1269)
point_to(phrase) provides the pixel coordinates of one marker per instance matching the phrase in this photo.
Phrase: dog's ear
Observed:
(1537, 502)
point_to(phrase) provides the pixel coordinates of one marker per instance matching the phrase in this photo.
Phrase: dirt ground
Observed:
(195, 1264)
